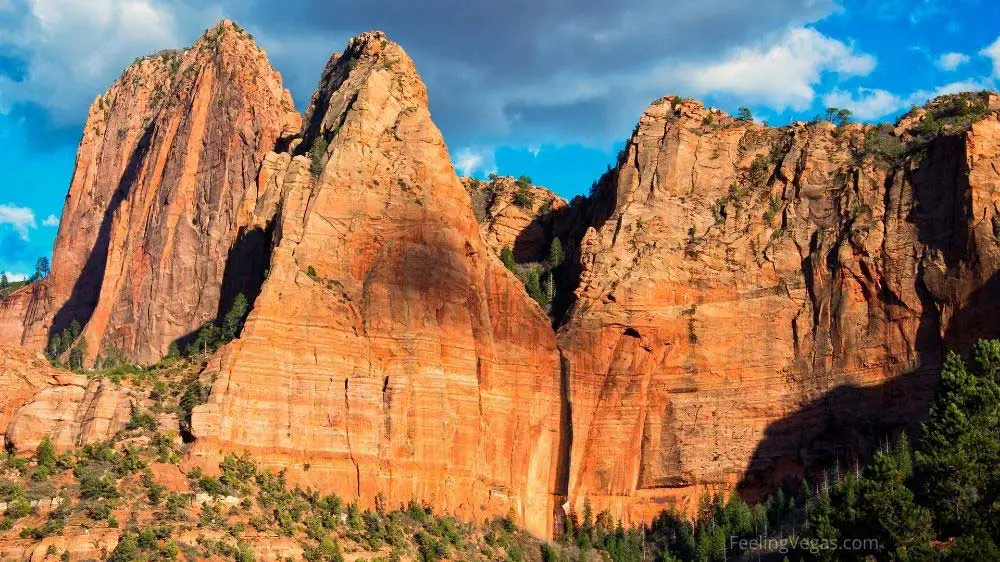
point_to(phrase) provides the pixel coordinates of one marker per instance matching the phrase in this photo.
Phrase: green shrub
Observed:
(507, 257)
(316, 153)
(523, 197)
(45, 456)
(141, 419)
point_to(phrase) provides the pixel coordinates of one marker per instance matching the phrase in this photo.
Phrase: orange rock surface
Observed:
(526, 229)
(39, 401)
(149, 245)
(739, 303)
(389, 351)
(22, 374)
(753, 301)
(15, 309)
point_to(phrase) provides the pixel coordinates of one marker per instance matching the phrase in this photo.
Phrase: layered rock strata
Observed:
(164, 187)
(754, 301)
(389, 351)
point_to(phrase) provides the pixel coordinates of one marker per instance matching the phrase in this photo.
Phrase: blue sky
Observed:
(547, 88)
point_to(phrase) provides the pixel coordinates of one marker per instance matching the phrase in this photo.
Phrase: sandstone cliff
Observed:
(389, 351)
(752, 301)
(740, 303)
(15, 310)
(518, 216)
(163, 189)
(40, 401)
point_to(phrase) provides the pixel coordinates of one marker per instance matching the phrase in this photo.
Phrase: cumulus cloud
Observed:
(51, 220)
(71, 50)
(872, 103)
(469, 161)
(865, 103)
(519, 72)
(951, 61)
(782, 73)
(993, 53)
(21, 219)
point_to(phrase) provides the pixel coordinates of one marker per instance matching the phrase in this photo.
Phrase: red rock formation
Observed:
(22, 374)
(72, 411)
(756, 300)
(163, 186)
(389, 351)
(525, 228)
(16, 308)
(39, 401)
(749, 302)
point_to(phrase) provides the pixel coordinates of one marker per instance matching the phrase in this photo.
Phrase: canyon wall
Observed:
(163, 187)
(389, 350)
(753, 301)
(740, 304)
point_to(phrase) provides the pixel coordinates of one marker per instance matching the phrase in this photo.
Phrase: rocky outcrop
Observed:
(520, 217)
(753, 301)
(739, 303)
(389, 351)
(40, 401)
(163, 190)
(16, 308)
(22, 374)
(72, 411)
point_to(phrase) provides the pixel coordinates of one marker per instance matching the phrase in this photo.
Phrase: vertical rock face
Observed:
(388, 348)
(72, 411)
(163, 186)
(17, 309)
(755, 300)
(22, 374)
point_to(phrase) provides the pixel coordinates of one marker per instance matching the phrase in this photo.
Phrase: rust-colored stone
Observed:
(737, 322)
(163, 190)
(389, 350)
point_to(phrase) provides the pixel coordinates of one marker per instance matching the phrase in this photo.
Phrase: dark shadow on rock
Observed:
(570, 224)
(978, 319)
(87, 290)
(840, 429)
(246, 269)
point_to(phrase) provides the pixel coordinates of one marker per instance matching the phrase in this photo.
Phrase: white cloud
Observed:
(951, 61)
(19, 218)
(15, 277)
(781, 73)
(867, 104)
(468, 161)
(993, 53)
(872, 103)
(74, 48)
(51, 220)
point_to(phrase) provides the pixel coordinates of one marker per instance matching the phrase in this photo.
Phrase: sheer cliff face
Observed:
(753, 300)
(388, 349)
(164, 182)
(738, 303)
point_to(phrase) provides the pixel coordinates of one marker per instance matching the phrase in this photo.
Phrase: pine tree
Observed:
(45, 455)
(507, 257)
(232, 324)
(556, 255)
